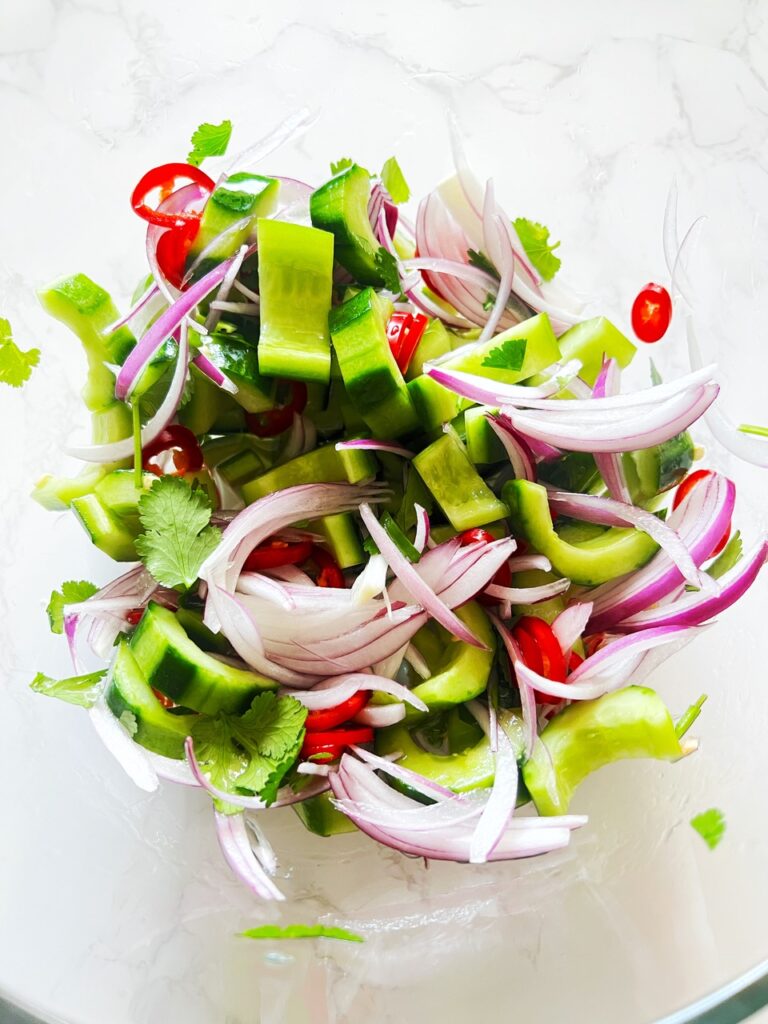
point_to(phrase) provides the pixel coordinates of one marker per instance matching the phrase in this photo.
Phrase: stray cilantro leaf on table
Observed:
(177, 534)
(301, 931)
(72, 592)
(535, 239)
(710, 825)
(386, 264)
(251, 752)
(481, 261)
(393, 180)
(80, 690)
(15, 365)
(510, 355)
(209, 140)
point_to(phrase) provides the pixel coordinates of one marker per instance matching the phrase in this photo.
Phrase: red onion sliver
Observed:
(379, 716)
(521, 457)
(528, 595)
(611, 464)
(337, 689)
(422, 528)
(570, 625)
(137, 307)
(500, 806)
(238, 853)
(213, 373)
(527, 696)
(487, 391)
(129, 755)
(369, 444)
(420, 783)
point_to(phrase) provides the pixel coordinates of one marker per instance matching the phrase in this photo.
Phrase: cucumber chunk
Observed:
(590, 341)
(463, 495)
(107, 531)
(540, 351)
(323, 465)
(341, 207)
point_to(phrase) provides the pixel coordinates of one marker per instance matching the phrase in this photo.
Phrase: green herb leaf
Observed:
(489, 302)
(535, 239)
(656, 377)
(301, 931)
(209, 140)
(72, 592)
(686, 720)
(510, 355)
(15, 366)
(386, 265)
(710, 825)
(80, 690)
(341, 165)
(481, 261)
(236, 200)
(370, 546)
(251, 752)
(393, 180)
(728, 557)
(751, 428)
(177, 534)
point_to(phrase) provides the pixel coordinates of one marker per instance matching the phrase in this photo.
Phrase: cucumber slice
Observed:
(342, 537)
(318, 815)
(295, 284)
(650, 471)
(240, 199)
(483, 444)
(433, 403)
(341, 207)
(118, 492)
(56, 493)
(323, 465)
(590, 341)
(463, 495)
(613, 553)
(239, 361)
(541, 350)
(435, 341)
(107, 531)
(177, 667)
(129, 692)
(371, 376)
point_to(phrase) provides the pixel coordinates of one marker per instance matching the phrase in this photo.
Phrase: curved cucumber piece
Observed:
(523, 350)
(630, 723)
(611, 554)
(433, 403)
(176, 666)
(318, 815)
(435, 341)
(56, 493)
(156, 728)
(483, 444)
(295, 283)
(650, 471)
(372, 378)
(462, 670)
(107, 531)
(590, 341)
(341, 207)
(323, 465)
(239, 361)
(463, 495)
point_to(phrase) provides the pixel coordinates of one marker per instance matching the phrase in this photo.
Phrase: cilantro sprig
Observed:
(510, 355)
(251, 753)
(301, 931)
(480, 260)
(386, 265)
(15, 365)
(541, 253)
(209, 140)
(710, 825)
(177, 535)
(72, 592)
(80, 690)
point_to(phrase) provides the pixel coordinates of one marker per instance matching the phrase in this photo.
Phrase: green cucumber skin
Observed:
(318, 815)
(341, 207)
(456, 486)
(109, 533)
(323, 465)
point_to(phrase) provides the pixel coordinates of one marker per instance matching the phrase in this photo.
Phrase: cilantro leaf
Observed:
(489, 302)
(177, 534)
(751, 428)
(251, 752)
(301, 931)
(15, 365)
(80, 690)
(209, 140)
(535, 239)
(710, 825)
(72, 591)
(507, 356)
(393, 180)
(480, 260)
(338, 166)
(728, 557)
(386, 264)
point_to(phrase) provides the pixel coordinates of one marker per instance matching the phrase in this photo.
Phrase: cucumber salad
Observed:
(396, 549)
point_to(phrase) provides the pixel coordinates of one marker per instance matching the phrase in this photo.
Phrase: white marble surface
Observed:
(114, 905)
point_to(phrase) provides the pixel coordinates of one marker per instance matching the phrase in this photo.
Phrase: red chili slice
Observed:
(334, 741)
(503, 575)
(330, 574)
(319, 721)
(275, 421)
(165, 178)
(404, 332)
(173, 247)
(685, 488)
(651, 313)
(133, 617)
(274, 553)
(185, 451)
(539, 647)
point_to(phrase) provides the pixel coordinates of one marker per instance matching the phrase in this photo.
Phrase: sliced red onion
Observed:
(528, 595)
(611, 464)
(118, 742)
(476, 576)
(694, 608)
(453, 268)
(173, 770)
(422, 528)
(372, 580)
(487, 391)
(608, 512)
(504, 258)
(137, 307)
(369, 444)
(413, 582)
(213, 373)
(643, 428)
(238, 853)
(523, 563)
(334, 691)
(225, 288)
(570, 624)
(117, 450)
(427, 787)
(417, 662)
(521, 457)
(257, 584)
(312, 768)
(527, 695)
(749, 448)
(500, 806)
(164, 327)
(700, 520)
(379, 716)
